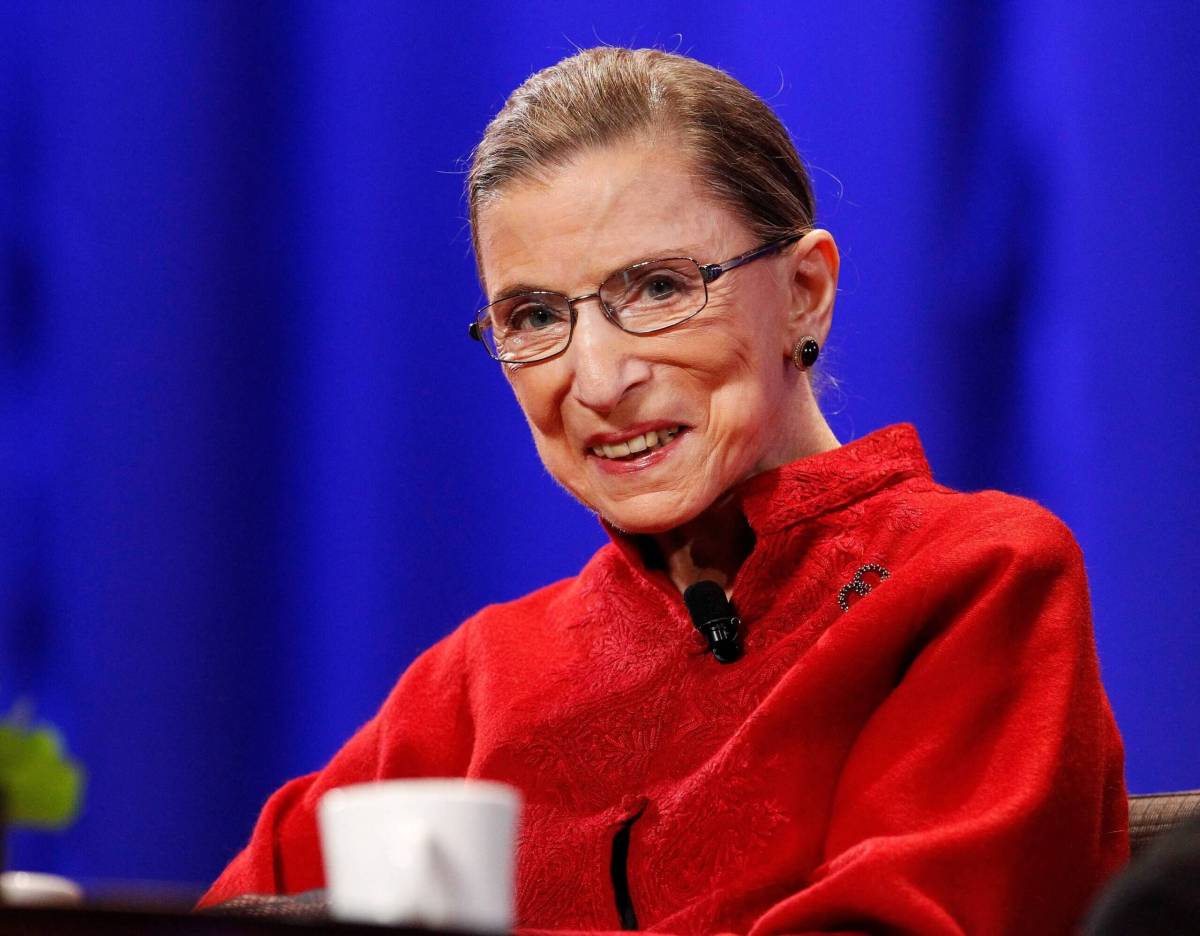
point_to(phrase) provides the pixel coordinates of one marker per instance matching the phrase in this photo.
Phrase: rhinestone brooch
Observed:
(858, 585)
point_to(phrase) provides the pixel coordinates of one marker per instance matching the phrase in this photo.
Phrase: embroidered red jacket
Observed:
(939, 759)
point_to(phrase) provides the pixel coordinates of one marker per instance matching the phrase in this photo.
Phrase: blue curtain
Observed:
(250, 464)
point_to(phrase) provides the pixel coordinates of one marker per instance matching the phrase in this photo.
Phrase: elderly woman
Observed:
(882, 713)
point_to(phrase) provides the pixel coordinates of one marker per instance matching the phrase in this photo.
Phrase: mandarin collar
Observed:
(788, 495)
(792, 493)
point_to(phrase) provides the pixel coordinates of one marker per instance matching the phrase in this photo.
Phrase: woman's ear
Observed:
(813, 264)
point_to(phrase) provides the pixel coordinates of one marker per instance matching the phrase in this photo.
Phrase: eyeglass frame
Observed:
(709, 272)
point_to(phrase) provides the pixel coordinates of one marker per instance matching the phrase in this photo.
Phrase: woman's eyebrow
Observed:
(671, 253)
(667, 253)
(517, 289)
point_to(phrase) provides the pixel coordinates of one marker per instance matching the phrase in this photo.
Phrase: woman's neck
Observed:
(715, 544)
(712, 546)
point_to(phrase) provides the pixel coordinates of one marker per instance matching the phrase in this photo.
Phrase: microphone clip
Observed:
(714, 617)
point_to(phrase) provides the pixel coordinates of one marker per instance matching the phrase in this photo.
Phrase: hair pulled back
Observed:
(738, 147)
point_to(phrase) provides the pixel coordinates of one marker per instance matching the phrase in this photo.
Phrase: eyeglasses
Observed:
(643, 299)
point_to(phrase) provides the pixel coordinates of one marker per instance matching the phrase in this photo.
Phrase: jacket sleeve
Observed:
(423, 729)
(986, 794)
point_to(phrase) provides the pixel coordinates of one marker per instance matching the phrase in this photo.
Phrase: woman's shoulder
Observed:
(989, 562)
(517, 632)
(547, 603)
(954, 522)
(531, 605)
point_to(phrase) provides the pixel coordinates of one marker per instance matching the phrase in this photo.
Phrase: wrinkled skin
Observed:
(726, 375)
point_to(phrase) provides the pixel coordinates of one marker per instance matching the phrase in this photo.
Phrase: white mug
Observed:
(33, 889)
(434, 853)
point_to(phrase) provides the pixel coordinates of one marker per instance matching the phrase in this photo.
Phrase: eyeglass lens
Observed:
(644, 298)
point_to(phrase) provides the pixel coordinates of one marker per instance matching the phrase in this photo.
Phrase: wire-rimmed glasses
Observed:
(648, 297)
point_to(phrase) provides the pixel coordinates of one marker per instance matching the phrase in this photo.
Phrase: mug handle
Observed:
(424, 878)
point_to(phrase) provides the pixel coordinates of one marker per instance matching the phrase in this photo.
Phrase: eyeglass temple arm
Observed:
(711, 271)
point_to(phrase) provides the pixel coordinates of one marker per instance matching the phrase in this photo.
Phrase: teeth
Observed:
(649, 440)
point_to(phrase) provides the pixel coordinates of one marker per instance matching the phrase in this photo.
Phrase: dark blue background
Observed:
(250, 464)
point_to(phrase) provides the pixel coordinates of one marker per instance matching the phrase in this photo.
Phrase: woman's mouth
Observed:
(643, 444)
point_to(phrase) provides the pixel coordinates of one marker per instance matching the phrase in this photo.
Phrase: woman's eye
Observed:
(653, 287)
(533, 317)
(660, 287)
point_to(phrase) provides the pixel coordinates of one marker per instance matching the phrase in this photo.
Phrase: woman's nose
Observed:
(604, 360)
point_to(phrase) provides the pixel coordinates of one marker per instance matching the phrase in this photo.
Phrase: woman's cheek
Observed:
(536, 402)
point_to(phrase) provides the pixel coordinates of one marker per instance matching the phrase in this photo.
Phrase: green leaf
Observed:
(41, 786)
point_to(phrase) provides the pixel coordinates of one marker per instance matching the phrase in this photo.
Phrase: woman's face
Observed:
(715, 391)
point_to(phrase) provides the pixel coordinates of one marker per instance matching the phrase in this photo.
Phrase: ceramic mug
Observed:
(32, 889)
(433, 853)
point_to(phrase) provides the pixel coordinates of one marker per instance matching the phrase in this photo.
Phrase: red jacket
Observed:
(938, 759)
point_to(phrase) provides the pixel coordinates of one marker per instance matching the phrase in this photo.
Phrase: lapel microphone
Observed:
(713, 616)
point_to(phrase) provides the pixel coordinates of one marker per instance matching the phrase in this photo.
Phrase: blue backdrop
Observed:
(250, 464)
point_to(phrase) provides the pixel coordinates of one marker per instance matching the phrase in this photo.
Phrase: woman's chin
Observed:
(649, 514)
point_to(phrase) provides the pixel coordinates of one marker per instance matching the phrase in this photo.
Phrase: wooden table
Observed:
(110, 921)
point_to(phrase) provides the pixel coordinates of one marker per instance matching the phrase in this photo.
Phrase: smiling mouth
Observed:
(638, 445)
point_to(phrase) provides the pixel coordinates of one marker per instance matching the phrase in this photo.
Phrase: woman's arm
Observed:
(986, 794)
(423, 729)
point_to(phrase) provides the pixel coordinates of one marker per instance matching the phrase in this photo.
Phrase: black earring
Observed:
(804, 355)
